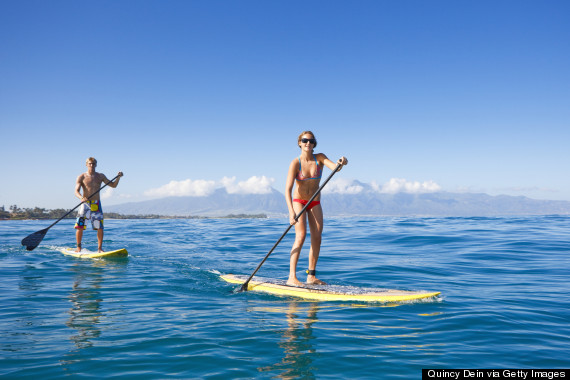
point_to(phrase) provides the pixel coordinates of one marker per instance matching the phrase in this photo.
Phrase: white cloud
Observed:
(187, 187)
(107, 193)
(343, 186)
(254, 185)
(400, 185)
(263, 185)
(200, 187)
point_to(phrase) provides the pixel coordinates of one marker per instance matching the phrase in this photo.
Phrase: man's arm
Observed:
(114, 183)
(78, 187)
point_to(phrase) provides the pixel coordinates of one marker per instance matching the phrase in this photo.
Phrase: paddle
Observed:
(244, 286)
(33, 240)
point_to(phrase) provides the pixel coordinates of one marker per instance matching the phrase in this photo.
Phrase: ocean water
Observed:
(163, 313)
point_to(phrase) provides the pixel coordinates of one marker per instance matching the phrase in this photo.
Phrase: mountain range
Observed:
(367, 202)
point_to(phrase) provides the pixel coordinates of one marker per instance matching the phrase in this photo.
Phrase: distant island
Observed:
(37, 213)
(362, 200)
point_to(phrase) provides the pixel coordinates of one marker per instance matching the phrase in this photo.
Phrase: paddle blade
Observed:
(33, 240)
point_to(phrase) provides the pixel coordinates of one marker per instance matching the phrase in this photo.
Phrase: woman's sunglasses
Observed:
(312, 141)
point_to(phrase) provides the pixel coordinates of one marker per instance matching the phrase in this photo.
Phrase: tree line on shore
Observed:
(17, 213)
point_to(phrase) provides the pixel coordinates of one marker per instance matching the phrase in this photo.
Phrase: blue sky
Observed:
(187, 96)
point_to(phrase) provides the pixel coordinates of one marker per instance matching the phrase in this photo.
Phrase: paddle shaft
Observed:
(244, 286)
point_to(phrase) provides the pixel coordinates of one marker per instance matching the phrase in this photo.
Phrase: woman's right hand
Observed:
(292, 220)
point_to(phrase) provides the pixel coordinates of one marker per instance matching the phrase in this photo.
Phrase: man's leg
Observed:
(78, 238)
(100, 239)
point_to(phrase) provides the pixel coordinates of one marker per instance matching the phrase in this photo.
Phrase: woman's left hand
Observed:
(342, 161)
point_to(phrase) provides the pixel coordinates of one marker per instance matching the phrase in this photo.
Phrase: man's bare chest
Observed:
(92, 181)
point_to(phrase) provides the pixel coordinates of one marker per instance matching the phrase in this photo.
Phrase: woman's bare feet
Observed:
(294, 282)
(312, 280)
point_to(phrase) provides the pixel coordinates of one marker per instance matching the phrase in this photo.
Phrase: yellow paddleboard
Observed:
(327, 292)
(86, 254)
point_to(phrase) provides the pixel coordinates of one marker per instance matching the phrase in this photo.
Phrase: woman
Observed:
(306, 171)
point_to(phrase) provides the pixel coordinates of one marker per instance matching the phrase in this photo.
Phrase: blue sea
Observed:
(163, 312)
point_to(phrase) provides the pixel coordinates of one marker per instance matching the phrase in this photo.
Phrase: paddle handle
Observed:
(73, 209)
(244, 285)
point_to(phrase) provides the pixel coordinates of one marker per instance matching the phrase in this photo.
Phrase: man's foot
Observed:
(78, 249)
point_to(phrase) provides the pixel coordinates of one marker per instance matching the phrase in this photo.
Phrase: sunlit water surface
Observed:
(164, 313)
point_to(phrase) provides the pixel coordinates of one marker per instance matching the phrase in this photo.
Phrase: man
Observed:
(90, 182)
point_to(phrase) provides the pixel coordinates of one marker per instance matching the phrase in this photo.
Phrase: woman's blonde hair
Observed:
(307, 133)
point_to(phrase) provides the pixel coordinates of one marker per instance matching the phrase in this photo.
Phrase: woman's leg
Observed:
(300, 233)
(315, 217)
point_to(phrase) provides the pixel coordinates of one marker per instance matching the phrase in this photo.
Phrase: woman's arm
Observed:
(324, 160)
(291, 174)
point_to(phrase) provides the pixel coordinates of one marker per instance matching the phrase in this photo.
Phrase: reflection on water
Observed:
(298, 338)
(85, 298)
(297, 343)
(87, 309)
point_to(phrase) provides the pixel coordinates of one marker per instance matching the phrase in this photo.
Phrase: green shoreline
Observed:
(37, 213)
